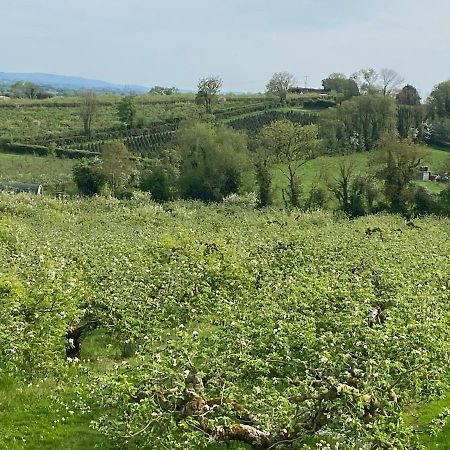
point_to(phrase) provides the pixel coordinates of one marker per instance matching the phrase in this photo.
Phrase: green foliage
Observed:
(302, 327)
(208, 90)
(89, 179)
(25, 89)
(398, 161)
(160, 178)
(366, 80)
(127, 111)
(357, 124)
(292, 145)
(212, 161)
(116, 165)
(88, 110)
(408, 96)
(280, 84)
(439, 100)
(410, 123)
(338, 84)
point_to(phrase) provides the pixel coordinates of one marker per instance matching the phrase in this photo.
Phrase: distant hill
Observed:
(68, 83)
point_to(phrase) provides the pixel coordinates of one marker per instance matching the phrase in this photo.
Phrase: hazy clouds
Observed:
(174, 42)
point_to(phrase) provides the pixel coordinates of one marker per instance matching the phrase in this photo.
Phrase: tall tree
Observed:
(279, 85)
(390, 81)
(208, 90)
(117, 165)
(366, 80)
(357, 124)
(293, 146)
(398, 161)
(439, 100)
(340, 184)
(344, 88)
(408, 96)
(127, 111)
(438, 105)
(213, 160)
(88, 110)
(25, 89)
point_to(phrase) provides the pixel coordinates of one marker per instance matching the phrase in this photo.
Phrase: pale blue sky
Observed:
(175, 42)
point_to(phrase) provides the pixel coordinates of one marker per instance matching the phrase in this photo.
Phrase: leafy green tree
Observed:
(160, 178)
(25, 89)
(410, 114)
(280, 84)
(88, 110)
(341, 183)
(398, 162)
(213, 161)
(127, 111)
(292, 146)
(439, 101)
(344, 88)
(117, 165)
(438, 104)
(366, 79)
(408, 96)
(263, 169)
(208, 91)
(357, 124)
(89, 179)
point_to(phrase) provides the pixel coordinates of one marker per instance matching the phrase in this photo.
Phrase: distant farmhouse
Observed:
(18, 188)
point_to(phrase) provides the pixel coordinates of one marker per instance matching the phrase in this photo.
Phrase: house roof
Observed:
(21, 187)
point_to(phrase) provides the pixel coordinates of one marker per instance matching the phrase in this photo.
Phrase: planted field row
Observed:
(119, 132)
(143, 145)
(253, 123)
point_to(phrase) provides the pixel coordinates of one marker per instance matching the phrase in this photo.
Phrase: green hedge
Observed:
(40, 150)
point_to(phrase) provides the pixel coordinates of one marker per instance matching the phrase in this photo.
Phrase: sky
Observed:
(176, 42)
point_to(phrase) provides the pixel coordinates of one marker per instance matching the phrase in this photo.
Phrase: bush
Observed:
(89, 180)
(212, 162)
(161, 181)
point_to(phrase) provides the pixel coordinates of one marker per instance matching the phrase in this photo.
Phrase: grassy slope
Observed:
(54, 173)
(30, 419)
(31, 120)
(314, 171)
(423, 415)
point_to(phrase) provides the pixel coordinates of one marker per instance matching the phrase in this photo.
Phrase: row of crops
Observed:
(254, 122)
(144, 145)
(239, 328)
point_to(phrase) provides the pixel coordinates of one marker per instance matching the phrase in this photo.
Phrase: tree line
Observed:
(208, 161)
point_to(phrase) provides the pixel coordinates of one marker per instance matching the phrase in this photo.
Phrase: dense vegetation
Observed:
(169, 323)
(235, 325)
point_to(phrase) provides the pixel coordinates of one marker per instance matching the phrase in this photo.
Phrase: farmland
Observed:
(173, 291)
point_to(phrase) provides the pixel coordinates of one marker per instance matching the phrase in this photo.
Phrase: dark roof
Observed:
(22, 187)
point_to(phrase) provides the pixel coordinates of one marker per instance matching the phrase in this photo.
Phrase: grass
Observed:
(314, 171)
(30, 419)
(55, 174)
(31, 120)
(421, 418)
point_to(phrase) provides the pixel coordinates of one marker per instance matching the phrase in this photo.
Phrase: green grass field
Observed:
(315, 171)
(55, 174)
